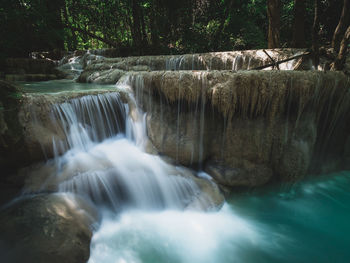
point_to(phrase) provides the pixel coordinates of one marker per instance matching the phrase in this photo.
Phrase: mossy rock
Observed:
(11, 132)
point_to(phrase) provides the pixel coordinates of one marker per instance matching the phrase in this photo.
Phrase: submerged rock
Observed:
(47, 228)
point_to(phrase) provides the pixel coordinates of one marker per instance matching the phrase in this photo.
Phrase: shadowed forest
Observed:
(144, 27)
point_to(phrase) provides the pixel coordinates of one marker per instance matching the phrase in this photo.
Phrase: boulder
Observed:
(253, 175)
(47, 228)
(110, 76)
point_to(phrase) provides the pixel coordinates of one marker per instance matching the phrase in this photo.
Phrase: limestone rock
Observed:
(110, 76)
(209, 196)
(254, 175)
(257, 125)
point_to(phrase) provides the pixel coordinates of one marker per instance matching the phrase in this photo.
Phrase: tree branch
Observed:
(90, 34)
(281, 61)
(272, 60)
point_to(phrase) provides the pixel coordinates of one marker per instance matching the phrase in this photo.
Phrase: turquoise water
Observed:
(305, 222)
(308, 222)
(56, 86)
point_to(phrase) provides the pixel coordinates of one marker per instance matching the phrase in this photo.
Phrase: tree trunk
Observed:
(315, 30)
(55, 23)
(299, 24)
(342, 25)
(143, 29)
(340, 59)
(137, 34)
(153, 20)
(274, 16)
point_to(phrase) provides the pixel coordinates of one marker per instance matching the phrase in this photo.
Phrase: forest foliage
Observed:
(139, 27)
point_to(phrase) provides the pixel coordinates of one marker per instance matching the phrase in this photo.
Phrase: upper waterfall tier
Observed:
(54, 123)
(99, 69)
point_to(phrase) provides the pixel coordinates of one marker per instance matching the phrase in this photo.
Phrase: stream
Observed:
(144, 202)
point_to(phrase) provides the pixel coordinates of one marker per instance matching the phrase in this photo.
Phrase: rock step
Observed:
(246, 128)
(99, 69)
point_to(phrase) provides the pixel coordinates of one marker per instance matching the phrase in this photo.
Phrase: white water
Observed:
(145, 202)
(140, 196)
(102, 157)
(171, 236)
(304, 223)
(88, 119)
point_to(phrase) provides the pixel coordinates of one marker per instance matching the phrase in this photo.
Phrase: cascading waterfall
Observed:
(149, 208)
(101, 157)
(89, 119)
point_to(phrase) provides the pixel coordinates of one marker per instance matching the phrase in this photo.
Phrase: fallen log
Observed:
(281, 61)
(272, 60)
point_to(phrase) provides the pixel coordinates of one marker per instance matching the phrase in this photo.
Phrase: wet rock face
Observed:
(46, 228)
(241, 153)
(246, 128)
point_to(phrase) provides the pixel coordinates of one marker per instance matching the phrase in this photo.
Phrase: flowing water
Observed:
(57, 86)
(147, 204)
(308, 222)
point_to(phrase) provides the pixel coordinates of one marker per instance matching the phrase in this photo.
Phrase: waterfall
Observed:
(91, 118)
(102, 157)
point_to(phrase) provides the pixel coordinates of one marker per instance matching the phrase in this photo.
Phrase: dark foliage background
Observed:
(138, 27)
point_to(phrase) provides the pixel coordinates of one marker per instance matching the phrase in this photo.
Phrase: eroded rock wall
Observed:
(249, 127)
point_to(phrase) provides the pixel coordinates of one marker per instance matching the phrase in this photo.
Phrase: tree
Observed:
(342, 25)
(299, 24)
(274, 17)
(343, 50)
(315, 35)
